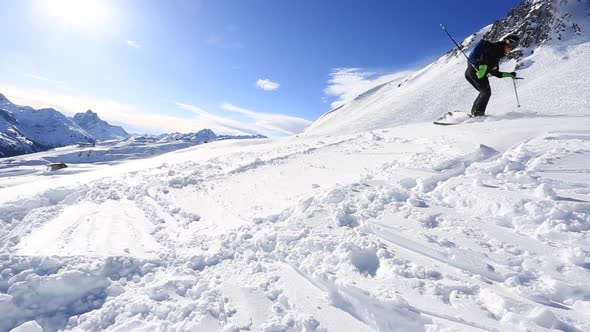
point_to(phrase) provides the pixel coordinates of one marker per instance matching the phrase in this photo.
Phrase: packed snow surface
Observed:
(479, 226)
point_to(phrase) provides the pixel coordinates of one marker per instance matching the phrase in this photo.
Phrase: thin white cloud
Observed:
(133, 44)
(52, 82)
(267, 85)
(191, 108)
(225, 125)
(285, 124)
(348, 83)
(130, 116)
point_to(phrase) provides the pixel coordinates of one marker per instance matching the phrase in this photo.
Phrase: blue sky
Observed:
(235, 66)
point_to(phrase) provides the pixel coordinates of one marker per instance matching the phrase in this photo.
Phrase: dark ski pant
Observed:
(485, 92)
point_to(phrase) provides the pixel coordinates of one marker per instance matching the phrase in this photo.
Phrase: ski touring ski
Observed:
(454, 118)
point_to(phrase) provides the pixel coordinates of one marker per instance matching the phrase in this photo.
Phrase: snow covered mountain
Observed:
(555, 35)
(370, 222)
(98, 128)
(26, 130)
(12, 141)
(50, 127)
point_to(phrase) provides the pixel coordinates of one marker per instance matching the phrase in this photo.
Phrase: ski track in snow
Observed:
(427, 230)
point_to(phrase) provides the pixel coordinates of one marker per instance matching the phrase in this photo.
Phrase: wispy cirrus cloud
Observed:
(223, 124)
(267, 85)
(285, 124)
(129, 115)
(133, 44)
(347, 83)
(51, 82)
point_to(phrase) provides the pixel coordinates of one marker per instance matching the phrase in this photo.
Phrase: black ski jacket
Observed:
(488, 53)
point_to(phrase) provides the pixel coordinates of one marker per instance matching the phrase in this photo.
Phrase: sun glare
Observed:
(79, 13)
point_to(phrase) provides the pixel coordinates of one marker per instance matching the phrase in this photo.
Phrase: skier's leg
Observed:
(483, 86)
(481, 102)
(470, 77)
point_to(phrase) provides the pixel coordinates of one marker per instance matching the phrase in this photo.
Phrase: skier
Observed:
(483, 60)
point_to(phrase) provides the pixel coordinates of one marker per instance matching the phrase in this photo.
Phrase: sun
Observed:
(78, 13)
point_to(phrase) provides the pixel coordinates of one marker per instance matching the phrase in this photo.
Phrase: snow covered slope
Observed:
(555, 46)
(28, 167)
(484, 226)
(99, 129)
(409, 228)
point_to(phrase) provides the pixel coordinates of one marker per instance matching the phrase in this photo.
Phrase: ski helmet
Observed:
(511, 41)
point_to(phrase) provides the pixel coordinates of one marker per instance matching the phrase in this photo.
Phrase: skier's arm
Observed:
(481, 71)
(495, 72)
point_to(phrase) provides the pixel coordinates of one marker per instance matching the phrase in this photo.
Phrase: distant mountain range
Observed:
(24, 129)
(205, 135)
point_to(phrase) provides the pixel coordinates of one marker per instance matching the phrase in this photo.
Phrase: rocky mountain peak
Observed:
(537, 22)
(88, 115)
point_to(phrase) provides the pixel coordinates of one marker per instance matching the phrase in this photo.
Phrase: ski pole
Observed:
(516, 93)
(459, 47)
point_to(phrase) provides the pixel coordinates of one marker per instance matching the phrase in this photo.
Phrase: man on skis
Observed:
(484, 60)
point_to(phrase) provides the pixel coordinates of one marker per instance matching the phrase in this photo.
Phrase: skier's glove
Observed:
(481, 73)
(511, 74)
